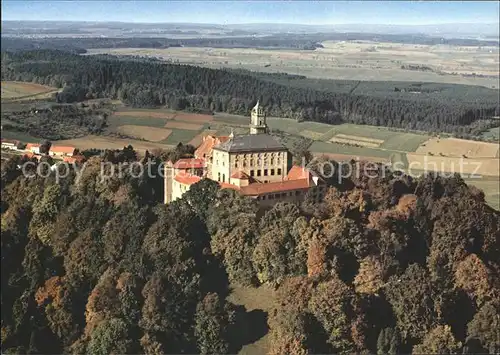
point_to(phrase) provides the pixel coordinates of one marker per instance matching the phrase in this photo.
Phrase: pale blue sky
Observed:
(300, 12)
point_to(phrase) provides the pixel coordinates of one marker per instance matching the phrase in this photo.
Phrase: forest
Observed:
(303, 41)
(385, 265)
(462, 110)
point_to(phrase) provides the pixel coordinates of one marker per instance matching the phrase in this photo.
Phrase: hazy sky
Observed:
(306, 12)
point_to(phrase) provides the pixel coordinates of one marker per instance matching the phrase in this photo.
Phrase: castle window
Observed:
(258, 172)
(223, 177)
(264, 197)
(297, 193)
(272, 172)
(252, 173)
(276, 196)
(251, 161)
(271, 197)
(272, 161)
(218, 177)
(279, 171)
(265, 172)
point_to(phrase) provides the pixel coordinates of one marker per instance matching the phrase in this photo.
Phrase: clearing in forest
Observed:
(184, 125)
(12, 90)
(147, 133)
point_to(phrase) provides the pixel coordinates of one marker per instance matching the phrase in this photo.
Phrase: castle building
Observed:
(256, 165)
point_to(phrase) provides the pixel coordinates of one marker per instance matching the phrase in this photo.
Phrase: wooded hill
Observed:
(458, 109)
(302, 41)
(387, 265)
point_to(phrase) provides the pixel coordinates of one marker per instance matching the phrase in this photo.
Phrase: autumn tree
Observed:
(439, 340)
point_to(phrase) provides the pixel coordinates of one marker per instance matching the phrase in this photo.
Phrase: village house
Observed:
(9, 144)
(33, 148)
(60, 151)
(256, 165)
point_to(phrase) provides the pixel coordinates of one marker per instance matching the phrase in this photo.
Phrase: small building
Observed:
(33, 148)
(9, 144)
(73, 159)
(60, 151)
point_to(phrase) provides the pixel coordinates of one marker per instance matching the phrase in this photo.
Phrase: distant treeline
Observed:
(282, 40)
(459, 109)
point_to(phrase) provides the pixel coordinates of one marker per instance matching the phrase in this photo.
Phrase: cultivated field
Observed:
(146, 114)
(452, 147)
(348, 60)
(15, 90)
(104, 142)
(356, 141)
(183, 125)
(146, 133)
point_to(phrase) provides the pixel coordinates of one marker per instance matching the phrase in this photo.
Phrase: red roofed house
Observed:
(74, 159)
(33, 148)
(59, 150)
(256, 165)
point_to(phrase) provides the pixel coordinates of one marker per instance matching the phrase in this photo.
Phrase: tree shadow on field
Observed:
(249, 327)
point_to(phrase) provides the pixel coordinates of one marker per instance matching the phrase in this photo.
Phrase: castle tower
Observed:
(258, 120)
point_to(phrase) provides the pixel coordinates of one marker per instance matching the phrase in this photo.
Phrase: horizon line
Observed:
(256, 23)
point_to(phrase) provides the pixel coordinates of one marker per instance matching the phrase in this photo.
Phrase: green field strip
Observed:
(407, 142)
(329, 134)
(334, 148)
(20, 136)
(116, 121)
(180, 136)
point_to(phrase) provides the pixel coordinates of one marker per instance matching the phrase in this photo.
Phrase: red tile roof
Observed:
(31, 155)
(209, 142)
(240, 175)
(32, 145)
(187, 179)
(73, 159)
(225, 185)
(297, 172)
(62, 149)
(191, 163)
(281, 186)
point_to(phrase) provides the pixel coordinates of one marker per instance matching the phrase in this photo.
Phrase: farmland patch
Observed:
(184, 125)
(103, 142)
(12, 90)
(147, 133)
(195, 117)
(180, 136)
(453, 147)
(311, 134)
